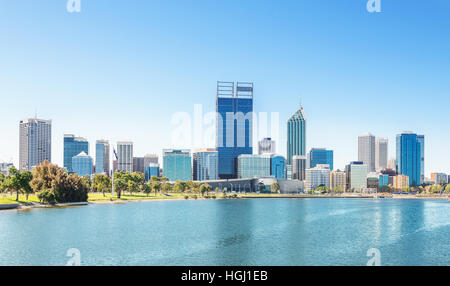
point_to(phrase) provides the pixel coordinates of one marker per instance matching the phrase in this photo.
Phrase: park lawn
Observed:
(8, 199)
(93, 197)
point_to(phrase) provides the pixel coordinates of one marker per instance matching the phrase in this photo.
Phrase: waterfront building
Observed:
(125, 156)
(383, 180)
(298, 167)
(82, 164)
(152, 170)
(366, 151)
(102, 157)
(317, 177)
(410, 157)
(296, 135)
(250, 166)
(320, 156)
(72, 147)
(205, 164)
(266, 146)
(149, 159)
(234, 125)
(177, 164)
(138, 164)
(356, 176)
(439, 178)
(35, 142)
(381, 153)
(373, 180)
(338, 179)
(401, 182)
(278, 166)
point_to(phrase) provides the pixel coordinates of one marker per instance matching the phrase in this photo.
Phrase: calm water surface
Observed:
(231, 232)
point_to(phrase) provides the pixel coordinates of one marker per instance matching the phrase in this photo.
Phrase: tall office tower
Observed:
(392, 164)
(317, 177)
(356, 176)
(296, 135)
(205, 164)
(421, 140)
(381, 153)
(266, 146)
(234, 124)
(410, 157)
(320, 156)
(102, 157)
(366, 151)
(150, 159)
(298, 167)
(138, 164)
(72, 147)
(338, 179)
(82, 164)
(35, 142)
(125, 156)
(177, 165)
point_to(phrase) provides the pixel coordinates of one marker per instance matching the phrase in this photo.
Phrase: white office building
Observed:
(125, 156)
(35, 142)
(317, 177)
(366, 151)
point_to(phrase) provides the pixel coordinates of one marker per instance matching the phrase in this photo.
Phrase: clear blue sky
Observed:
(120, 69)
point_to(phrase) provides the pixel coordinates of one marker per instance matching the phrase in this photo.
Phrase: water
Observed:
(231, 232)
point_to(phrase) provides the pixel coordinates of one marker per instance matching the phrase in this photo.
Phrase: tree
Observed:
(447, 189)
(179, 187)
(156, 186)
(205, 188)
(121, 179)
(102, 183)
(147, 188)
(167, 187)
(15, 182)
(275, 188)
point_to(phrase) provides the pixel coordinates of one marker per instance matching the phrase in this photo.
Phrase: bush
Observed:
(186, 197)
(195, 197)
(213, 197)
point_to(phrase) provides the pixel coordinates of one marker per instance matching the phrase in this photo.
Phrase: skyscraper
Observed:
(356, 176)
(82, 164)
(266, 146)
(410, 157)
(320, 156)
(381, 153)
(138, 164)
(366, 151)
(177, 165)
(125, 156)
(150, 159)
(296, 135)
(298, 167)
(205, 164)
(35, 142)
(233, 125)
(72, 147)
(102, 157)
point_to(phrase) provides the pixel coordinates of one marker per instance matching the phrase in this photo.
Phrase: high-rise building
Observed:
(102, 157)
(234, 125)
(205, 164)
(150, 159)
(72, 147)
(366, 151)
(296, 135)
(338, 179)
(317, 177)
(400, 182)
(35, 142)
(266, 146)
(82, 164)
(356, 176)
(177, 165)
(125, 156)
(392, 164)
(277, 166)
(265, 165)
(138, 164)
(298, 167)
(152, 170)
(383, 180)
(320, 156)
(381, 153)
(410, 157)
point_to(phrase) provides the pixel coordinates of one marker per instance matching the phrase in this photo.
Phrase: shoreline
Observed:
(33, 205)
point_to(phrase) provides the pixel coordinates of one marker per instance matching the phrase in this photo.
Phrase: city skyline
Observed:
(334, 84)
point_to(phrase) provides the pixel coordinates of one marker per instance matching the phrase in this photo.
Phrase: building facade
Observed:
(439, 178)
(296, 135)
(410, 157)
(205, 164)
(152, 170)
(72, 147)
(234, 125)
(102, 157)
(298, 167)
(35, 142)
(266, 146)
(82, 164)
(338, 179)
(401, 182)
(125, 156)
(366, 151)
(381, 153)
(250, 166)
(317, 177)
(138, 164)
(356, 176)
(320, 156)
(150, 159)
(177, 164)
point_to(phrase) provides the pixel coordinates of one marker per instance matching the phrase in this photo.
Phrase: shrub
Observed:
(186, 197)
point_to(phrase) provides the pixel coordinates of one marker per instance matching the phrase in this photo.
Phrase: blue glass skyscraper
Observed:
(102, 157)
(278, 165)
(320, 156)
(296, 135)
(234, 125)
(205, 164)
(410, 156)
(82, 164)
(72, 147)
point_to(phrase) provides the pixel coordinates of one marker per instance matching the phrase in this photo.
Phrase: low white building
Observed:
(317, 176)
